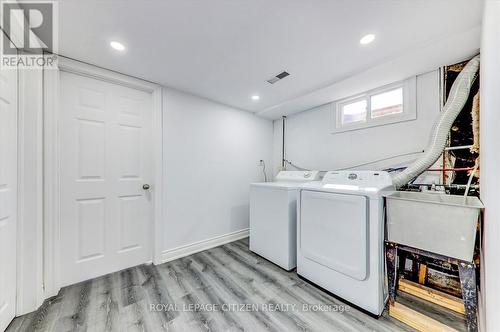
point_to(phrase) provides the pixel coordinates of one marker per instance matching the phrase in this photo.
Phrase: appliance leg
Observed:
(467, 274)
(391, 253)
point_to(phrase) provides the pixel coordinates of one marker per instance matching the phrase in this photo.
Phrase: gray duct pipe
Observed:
(457, 98)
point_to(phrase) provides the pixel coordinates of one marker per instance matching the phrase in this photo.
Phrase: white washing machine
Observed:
(273, 217)
(340, 235)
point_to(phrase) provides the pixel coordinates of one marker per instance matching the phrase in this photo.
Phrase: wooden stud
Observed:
(415, 319)
(432, 295)
(422, 273)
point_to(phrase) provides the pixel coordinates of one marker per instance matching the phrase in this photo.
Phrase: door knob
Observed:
(146, 186)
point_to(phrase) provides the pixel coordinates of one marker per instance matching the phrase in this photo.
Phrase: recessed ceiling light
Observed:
(255, 97)
(117, 46)
(367, 39)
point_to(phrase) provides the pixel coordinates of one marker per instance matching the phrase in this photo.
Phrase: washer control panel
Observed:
(299, 176)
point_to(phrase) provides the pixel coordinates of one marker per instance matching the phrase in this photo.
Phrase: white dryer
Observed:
(340, 236)
(273, 217)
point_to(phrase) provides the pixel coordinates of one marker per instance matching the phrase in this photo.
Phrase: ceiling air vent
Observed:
(278, 77)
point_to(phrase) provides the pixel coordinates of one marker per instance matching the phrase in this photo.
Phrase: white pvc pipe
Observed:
(467, 187)
(457, 98)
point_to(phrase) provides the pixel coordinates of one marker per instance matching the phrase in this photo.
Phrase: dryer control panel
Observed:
(373, 179)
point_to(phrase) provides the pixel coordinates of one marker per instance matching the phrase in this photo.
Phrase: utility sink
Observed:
(439, 223)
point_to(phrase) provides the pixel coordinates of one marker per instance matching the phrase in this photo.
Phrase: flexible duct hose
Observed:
(457, 98)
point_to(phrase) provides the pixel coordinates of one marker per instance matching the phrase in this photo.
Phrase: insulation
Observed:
(475, 124)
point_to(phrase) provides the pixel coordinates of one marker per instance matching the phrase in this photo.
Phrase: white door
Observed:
(106, 158)
(8, 194)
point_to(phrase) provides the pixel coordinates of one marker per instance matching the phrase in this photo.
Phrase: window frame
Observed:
(409, 107)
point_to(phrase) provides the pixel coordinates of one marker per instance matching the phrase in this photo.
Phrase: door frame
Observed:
(15, 186)
(28, 79)
(51, 162)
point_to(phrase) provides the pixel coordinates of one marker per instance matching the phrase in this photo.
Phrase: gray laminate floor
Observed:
(202, 292)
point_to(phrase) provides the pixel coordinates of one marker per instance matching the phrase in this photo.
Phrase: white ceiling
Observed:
(225, 50)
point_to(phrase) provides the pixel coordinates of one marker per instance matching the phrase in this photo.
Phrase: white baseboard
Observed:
(189, 249)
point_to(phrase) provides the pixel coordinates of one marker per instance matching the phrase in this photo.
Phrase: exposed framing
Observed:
(51, 162)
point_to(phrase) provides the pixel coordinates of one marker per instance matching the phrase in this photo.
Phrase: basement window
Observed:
(354, 111)
(386, 105)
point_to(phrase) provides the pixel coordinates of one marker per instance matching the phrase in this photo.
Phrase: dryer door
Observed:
(334, 232)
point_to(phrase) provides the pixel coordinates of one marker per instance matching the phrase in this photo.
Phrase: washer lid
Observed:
(290, 180)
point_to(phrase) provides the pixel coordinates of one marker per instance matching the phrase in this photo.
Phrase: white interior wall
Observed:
(211, 156)
(309, 143)
(490, 159)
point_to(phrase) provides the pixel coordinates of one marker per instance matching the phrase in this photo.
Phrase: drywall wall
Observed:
(490, 159)
(211, 155)
(310, 144)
